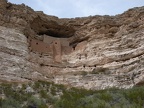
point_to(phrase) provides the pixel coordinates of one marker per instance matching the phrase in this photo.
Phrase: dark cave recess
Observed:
(51, 28)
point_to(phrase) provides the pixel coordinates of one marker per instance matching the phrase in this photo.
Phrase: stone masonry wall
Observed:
(40, 46)
(57, 51)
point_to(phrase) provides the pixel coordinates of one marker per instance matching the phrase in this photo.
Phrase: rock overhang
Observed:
(51, 28)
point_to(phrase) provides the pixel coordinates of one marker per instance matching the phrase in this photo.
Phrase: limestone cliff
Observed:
(93, 52)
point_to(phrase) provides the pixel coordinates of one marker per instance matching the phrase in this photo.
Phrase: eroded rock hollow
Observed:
(91, 52)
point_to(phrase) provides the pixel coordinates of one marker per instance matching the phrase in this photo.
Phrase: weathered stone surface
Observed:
(107, 50)
(14, 54)
(51, 28)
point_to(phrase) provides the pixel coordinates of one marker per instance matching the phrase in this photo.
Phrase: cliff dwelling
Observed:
(55, 39)
(53, 46)
(94, 52)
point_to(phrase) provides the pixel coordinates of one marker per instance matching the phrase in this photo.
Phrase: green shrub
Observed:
(53, 90)
(37, 102)
(43, 94)
(51, 99)
(1, 101)
(46, 94)
(36, 85)
(10, 103)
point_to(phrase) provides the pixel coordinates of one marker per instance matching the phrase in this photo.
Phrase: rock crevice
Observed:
(92, 52)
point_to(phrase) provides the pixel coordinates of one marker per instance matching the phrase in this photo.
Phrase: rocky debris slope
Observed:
(108, 50)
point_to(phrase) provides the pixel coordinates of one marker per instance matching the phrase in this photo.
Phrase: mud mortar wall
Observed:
(57, 50)
(112, 56)
(39, 46)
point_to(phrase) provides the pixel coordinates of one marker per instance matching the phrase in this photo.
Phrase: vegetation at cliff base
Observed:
(43, 94)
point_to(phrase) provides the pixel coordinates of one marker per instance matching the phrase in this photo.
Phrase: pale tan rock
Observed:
(105, 51)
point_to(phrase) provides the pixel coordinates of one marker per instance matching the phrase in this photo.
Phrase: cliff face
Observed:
(106, 50)
(14, 65)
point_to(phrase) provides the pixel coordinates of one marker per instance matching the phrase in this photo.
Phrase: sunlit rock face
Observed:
(91, 52)
(113, 54)
(13, 55)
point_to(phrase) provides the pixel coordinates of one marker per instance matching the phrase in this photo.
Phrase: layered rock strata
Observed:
(94, 52)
